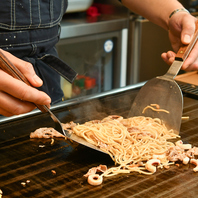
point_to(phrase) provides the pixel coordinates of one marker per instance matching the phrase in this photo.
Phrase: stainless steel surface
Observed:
(165, 93)
(70, 102)
(113, 17)
(80, 140)
(146, 43)
(58, 126)
(173, 70)
(74, 101)
(82, 25)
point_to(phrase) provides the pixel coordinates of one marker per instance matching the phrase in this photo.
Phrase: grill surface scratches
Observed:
(24, 159)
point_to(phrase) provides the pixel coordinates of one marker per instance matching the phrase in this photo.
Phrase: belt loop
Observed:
(59, 31)
(34, 48)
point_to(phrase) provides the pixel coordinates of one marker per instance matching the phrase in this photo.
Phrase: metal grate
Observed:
(189, 89)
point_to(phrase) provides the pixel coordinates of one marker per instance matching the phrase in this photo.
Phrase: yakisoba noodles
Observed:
(130, 142)
(157, 108)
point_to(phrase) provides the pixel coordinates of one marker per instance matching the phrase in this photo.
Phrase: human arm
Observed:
(15, 96)
(180, 26)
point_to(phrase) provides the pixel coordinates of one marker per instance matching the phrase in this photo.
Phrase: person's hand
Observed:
(181, 30)
(15, 96)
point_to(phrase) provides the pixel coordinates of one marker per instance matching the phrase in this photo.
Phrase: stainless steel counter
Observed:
(81, 25)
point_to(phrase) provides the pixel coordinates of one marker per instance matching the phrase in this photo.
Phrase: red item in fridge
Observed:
(93, 11)
(90, 83)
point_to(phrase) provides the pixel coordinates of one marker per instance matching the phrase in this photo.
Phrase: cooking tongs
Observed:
(9, 68)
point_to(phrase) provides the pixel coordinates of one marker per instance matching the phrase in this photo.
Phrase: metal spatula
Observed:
(8, 67)
(165, 92)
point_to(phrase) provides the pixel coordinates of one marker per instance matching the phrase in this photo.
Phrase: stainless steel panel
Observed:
(146, 43)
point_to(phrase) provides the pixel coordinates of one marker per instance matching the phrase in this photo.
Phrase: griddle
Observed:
(22, 158)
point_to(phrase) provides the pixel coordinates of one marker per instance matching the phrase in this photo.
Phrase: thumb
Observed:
(25, 68)
(188, 30)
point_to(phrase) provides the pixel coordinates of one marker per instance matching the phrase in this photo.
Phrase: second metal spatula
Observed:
(165, 93)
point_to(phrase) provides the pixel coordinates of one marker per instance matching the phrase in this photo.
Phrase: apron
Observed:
(31, 29)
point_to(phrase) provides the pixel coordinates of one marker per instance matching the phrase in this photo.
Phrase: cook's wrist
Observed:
(178, 10)
(176, 15)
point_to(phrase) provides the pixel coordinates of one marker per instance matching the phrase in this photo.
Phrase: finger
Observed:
(12, 106)
(20, 90)
(26, 68)
(165, 58)
(168, 57)
(5, 113)
(190, 67)
(192, 60)
(193, 67)
(188, 29)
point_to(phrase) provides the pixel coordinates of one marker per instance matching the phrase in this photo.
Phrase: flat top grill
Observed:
(25, 159)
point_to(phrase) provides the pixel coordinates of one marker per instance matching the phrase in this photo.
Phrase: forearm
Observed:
(157, 11)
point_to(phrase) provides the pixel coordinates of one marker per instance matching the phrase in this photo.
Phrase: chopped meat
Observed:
(192, 152)
(94, 170)
(91, 171)
(67, 126)
(133, 129)
(112, 117)
(46, 133)
(103, 146)
(175, 153)
(92, 122)
(102, 168)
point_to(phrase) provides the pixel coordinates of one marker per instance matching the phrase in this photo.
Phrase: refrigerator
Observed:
(147, 42)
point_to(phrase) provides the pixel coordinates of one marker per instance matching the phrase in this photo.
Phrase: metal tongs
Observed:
(9, 68)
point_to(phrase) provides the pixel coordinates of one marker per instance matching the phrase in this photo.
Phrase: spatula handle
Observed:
(9, 68)
(185, 50)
